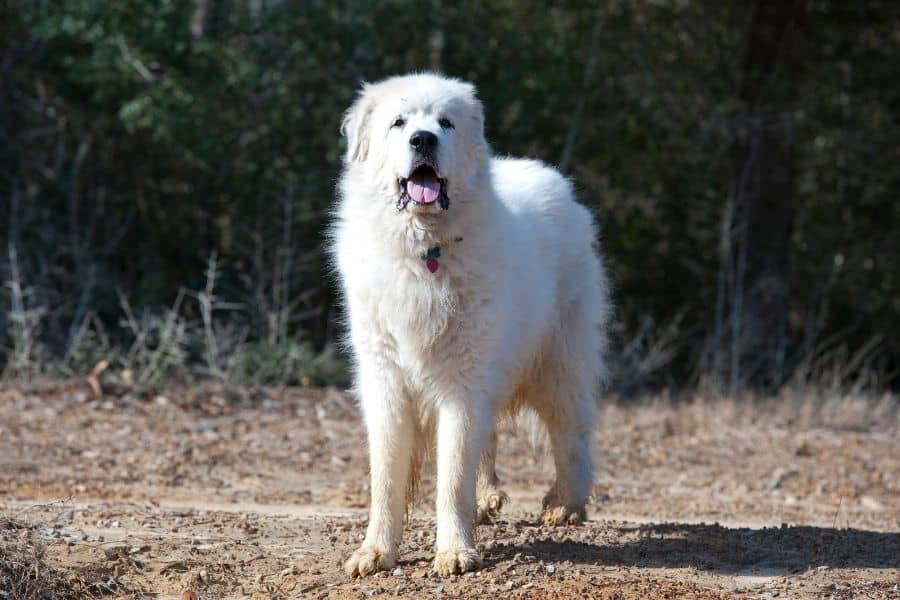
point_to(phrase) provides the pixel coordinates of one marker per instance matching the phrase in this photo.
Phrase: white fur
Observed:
(514, 317)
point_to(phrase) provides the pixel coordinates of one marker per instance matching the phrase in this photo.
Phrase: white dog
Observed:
(473, 288)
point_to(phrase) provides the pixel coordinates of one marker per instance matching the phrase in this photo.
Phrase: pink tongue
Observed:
(424, 188)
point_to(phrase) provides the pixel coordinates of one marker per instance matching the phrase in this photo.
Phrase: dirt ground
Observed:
(233, 494)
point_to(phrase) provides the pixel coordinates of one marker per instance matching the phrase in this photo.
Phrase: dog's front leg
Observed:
(462, 429)
(391, 431)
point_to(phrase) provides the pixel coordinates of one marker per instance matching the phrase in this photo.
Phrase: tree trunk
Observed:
(756, 251)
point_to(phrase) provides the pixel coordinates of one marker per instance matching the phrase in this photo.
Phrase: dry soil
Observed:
(231, 494)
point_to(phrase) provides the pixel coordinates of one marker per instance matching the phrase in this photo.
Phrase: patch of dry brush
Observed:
(24, 574)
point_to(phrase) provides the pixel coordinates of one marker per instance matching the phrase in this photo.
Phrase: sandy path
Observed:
(261, 495)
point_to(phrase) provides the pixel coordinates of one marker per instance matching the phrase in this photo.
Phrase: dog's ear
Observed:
(476, 108)
(355, 126)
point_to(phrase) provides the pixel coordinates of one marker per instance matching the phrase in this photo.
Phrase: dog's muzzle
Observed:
(423, 186)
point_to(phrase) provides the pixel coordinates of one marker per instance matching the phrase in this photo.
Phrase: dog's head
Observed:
(420, 136)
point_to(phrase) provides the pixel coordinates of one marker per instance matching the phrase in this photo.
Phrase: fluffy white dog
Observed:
(473, 288)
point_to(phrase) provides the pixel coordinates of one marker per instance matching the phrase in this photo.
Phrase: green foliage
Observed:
(139, 138)
(290, 363)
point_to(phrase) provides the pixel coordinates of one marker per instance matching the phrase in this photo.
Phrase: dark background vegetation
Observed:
(167, 167)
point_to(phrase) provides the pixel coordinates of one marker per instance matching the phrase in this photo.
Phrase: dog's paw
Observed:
(456, 561)
(368, 560)
(490, 501)
(567, 514)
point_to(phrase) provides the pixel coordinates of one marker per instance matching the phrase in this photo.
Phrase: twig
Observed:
(24, 321)
(837, 510)
(590, 68)
(133, 61)
(207, 299)
(45, 505)
(93, 378)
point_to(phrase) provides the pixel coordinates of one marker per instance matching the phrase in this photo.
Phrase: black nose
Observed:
(423, 141)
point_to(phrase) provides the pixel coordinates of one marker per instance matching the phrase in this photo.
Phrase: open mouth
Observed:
(423, 186)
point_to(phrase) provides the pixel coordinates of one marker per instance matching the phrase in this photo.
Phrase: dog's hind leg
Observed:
(571, 439)
(490, 498)
(570, 378)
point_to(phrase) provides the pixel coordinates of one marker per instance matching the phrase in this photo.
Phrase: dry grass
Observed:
(26, 575)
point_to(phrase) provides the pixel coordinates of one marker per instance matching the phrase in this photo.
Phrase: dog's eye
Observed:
(445, 123)
(398, 122)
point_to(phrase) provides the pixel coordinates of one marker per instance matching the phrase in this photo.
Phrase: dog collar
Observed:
(431, 258)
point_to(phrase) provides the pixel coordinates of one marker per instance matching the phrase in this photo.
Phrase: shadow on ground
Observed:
(767, 551)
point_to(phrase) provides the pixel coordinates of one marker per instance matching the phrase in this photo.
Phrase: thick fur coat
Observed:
(512, 313)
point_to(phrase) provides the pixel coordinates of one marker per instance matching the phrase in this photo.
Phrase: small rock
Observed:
(777, 479)
(551, 569)
(113, 552)
(398, 572)
(292, 570)
(871, 503)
